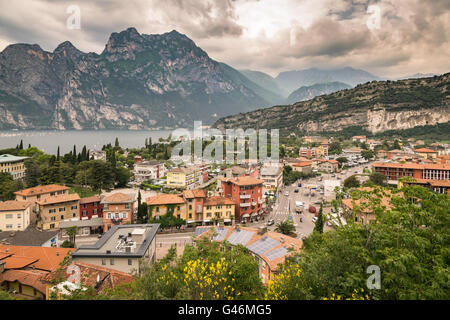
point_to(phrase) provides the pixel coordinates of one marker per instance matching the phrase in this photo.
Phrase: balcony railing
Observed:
(245, 196)
(242, 205)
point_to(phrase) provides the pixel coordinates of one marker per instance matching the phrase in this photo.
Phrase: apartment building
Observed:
(187, 177)
(149, 170)
(316, 152)
(15, 215)
(52, 210)
(246, 192)
(426, 153)
(13, 165)
(194, 200)
(91, 207)
(121, 248)
(163, 203)
(218, 209)
(305, 167)
(118, 208)
(272, 176)
(41, 193)
(430, 171)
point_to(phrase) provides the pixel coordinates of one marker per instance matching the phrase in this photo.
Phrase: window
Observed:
(127, 206)
(178, 208)
(19, 226)
(111, 262)
(130, 262)
(74, 215)
(74, 207)
(52, 218)
(124, 215)
(52, 211)
(62, 217)
(190, 207)
(105, 206)
(178, 216)
(84, 213)
(103, 262)
(19, 216)
(9, 226)
(95, 211)
(62, 209)
(157, 209)
(9, 216)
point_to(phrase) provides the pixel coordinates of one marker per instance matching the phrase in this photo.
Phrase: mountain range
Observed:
(375, 106)
(138, 82)
(318, 89)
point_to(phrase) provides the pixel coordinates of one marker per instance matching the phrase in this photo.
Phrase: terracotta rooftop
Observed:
(118, 198)
(164, 198)
(214, 201)
(243, 181)
(27, 277)
(385, 199)
(49, 258)
(425, 150)
(18, 262)
(108, 278)
(41, 190)
(59, 199)
(196, 193)
(302, 164)
(433, 183)
(90, 199)
(14, 205)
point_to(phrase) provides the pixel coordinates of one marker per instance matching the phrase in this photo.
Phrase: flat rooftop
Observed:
(106, 246)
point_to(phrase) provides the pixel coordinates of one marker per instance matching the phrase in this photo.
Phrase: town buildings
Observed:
(149, 170)
(426, 153)
(91, 207)
(15, 215)
(121, 248)
(304, 167)
(118, 208)
(246, 192)
(97, 155)
(314, 152)
(13, 165)
(53, 210)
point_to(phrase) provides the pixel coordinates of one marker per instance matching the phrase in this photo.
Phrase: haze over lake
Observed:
(48, 141)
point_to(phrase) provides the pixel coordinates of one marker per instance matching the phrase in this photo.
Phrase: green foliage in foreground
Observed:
(410, 245)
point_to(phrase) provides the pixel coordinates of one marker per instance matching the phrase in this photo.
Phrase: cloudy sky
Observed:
(387, 37)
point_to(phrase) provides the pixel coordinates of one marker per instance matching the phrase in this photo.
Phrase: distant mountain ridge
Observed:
(292, 80)
(376, 106)
(309, 92)
(139, 81)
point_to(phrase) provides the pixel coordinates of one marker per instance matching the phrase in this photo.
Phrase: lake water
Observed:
(48, 141)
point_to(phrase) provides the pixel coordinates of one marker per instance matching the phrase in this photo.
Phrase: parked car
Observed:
(286, 193)
(270, 222)
(312, 209)
(296, 190)
(314, 219)
(317, 202)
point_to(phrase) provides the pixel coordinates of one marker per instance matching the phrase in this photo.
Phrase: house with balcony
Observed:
(272, 176)
(194, 200)
(218, 209)
(246, 192)
(118, 209)
(149, 170)
(91, 207)
(40, 193)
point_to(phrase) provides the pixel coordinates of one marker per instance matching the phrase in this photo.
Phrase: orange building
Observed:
(430, 171)
(194, 205)
(118, 208)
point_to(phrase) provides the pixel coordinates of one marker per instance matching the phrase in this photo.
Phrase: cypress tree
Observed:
(74, 154)
(320, 220)
(21, 145)
(116, 143)
(57, 155)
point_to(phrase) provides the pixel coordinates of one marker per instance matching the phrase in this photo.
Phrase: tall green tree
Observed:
(320, 220)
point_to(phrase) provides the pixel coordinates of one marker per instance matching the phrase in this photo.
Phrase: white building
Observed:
(149, 170)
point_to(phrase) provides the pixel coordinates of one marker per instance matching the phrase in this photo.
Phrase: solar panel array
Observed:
(199, 231)
(221, 233)
(277, 253)
(240, 237)
(263, 245)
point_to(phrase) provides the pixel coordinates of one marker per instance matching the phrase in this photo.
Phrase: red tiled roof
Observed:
(14, 205)
(118, 198)
(425, 150)
(214, 201)
(18, 262)
(26, 277)
(302, 164)
(49, 258)
(435, 166)
(164, 198)
(59, 199)
(243, 181)
(196, 193)
(41, 190)
(90, 199)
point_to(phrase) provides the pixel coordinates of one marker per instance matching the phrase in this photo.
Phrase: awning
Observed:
(246, 215)
(207, 220)
(226, 220)
(191, 221)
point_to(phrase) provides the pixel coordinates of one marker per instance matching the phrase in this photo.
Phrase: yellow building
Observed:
(185, 177)
(40, 193)
(53, 210)
(15, 215)
(218, 208)
(13, 165)
(426, 153)
(161, 204)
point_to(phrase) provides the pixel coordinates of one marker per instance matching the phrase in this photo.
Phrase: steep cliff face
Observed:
(139, 81)
(376, 106)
